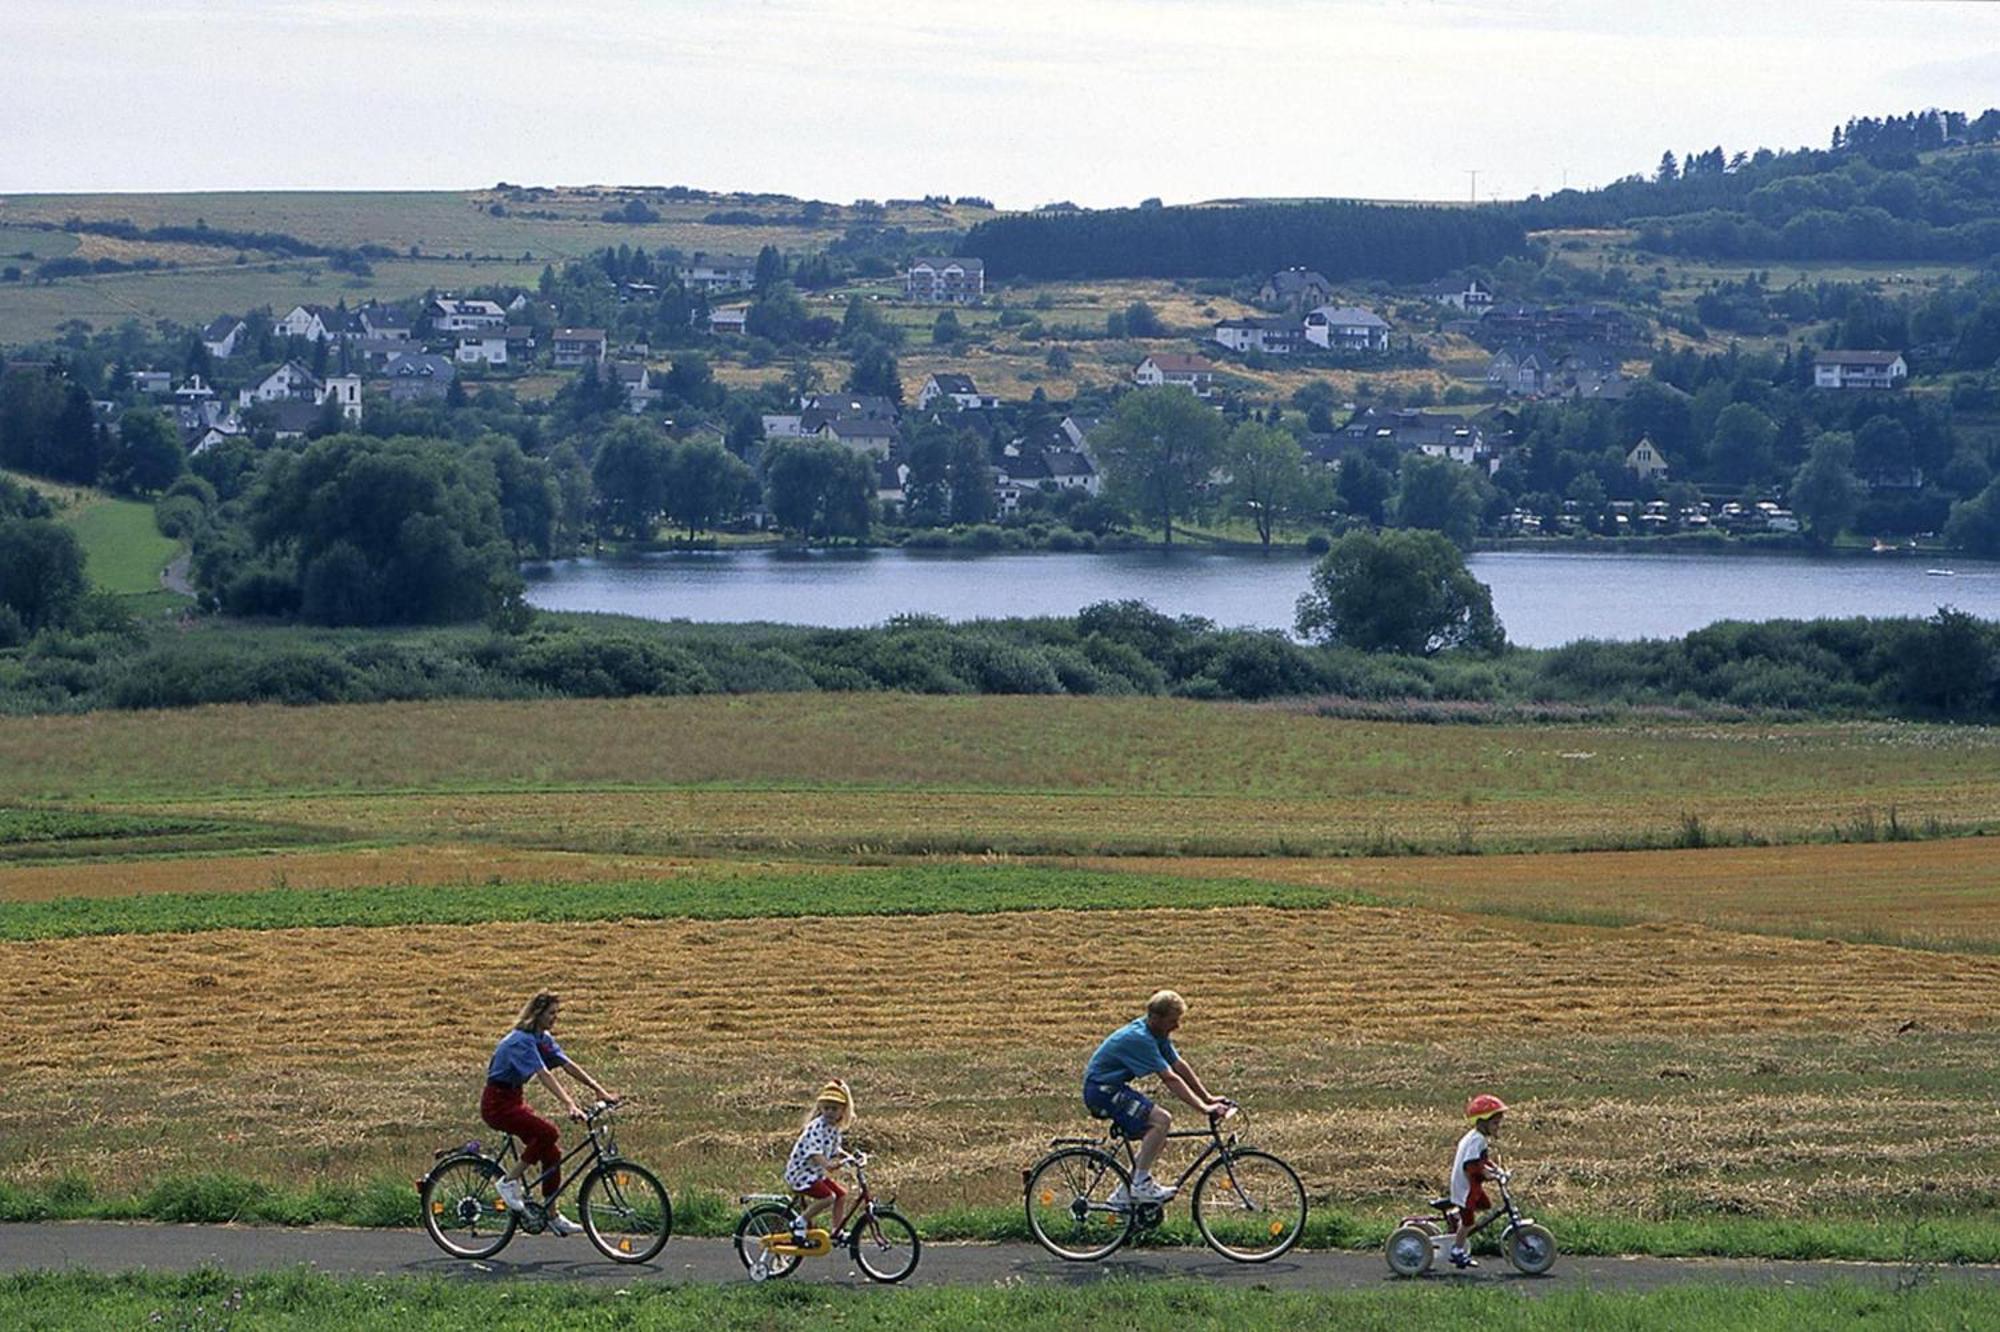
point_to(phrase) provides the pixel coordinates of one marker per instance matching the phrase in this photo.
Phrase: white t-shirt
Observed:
(1470, 1148)
(819, 1138)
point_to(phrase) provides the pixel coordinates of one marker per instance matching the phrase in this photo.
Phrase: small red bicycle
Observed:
(880, 1239)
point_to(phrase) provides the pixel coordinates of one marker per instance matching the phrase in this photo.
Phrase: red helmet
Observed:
(1483, 1105)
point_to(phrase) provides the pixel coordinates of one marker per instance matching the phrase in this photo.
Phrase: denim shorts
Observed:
(1127, 1107)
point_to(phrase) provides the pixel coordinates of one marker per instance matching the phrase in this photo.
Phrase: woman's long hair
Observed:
(535, 1013)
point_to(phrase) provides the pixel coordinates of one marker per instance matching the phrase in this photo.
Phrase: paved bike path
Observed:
(104, 1247)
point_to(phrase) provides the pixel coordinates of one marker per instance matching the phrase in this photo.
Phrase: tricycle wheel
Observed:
(1409, 1250)
(1531, 1248)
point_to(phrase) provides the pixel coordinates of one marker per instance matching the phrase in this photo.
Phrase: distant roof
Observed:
(221, 327)
(950, 382)
(1350, 316)
(1066, 463)
(290, 415)
(419, 365)
(1298, 279)
(579, 335)
(933, 261)
(629, 372)
(1174, 363)
(1831, 357)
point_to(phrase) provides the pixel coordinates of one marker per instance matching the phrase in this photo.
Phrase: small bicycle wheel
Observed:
(1531, 1248)
(1071, 1208)
(462, 1210)
(1250, 1206)
(885, 1245)
(773, 1219)
(1409, 1250)
(626, 1212)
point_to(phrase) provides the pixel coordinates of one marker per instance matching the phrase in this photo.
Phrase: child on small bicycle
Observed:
(816, 1153)
(1470, 1168)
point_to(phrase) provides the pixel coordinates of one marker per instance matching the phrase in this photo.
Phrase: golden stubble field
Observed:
(1791, 1074)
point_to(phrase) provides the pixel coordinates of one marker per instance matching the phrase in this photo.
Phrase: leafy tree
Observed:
(927, 489)
(1159, 448)
(148, 455)
(946, 330)
(969, 481)
(1363, 488)
(41, 572)
(770, 269)
(875, 372)
(1267, 475)
(380, 531)
(630, 478)
(706, 485)
(1974, 525)
(1141, 321)
(1441, 495)
(1407, 592)
(1826, 495)
(1883, 448)
(819, 489)
(527, 497)
(1741, 447)
(778, 314)
(689, 382)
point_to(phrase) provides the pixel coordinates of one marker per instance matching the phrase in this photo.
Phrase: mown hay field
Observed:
(1658, 1068)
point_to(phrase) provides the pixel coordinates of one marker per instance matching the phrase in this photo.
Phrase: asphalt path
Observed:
(103, 1247)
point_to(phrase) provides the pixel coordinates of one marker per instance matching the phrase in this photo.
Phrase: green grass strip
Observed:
(301, 1301)
(741, 895)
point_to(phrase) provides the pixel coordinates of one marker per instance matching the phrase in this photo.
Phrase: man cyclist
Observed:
(1136, 1050)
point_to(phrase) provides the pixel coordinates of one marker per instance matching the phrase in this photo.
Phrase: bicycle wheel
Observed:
(626, 1212)
(761, 1220)
(1531, 1248)
(885, 1245)
(462, 1210)
(1070, 1206)
(1250, 1206)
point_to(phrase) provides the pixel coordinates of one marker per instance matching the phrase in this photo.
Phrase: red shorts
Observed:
(1475, 1202)
(824, 1188)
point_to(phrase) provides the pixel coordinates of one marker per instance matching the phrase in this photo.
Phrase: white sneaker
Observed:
(562, 1225)
(1146, 1189)
(1120, 1199)
(512, 1194)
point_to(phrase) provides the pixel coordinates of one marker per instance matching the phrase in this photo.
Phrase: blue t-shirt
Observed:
(1132, 1051)
(522, 1054)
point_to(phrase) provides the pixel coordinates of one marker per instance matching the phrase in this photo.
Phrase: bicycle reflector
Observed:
(1048, 1197)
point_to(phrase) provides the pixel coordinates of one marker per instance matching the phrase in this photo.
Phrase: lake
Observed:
(1544, 598)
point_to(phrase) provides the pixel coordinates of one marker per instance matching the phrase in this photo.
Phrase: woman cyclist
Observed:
(530, 1051)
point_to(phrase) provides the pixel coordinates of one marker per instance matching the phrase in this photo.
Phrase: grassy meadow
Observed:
(1763, 1025)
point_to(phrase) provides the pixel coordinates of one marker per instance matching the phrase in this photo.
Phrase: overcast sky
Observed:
(1024, 101)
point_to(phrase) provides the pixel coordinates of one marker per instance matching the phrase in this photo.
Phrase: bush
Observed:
(179, 517)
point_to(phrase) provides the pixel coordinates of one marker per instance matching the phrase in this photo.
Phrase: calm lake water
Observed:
(1543, 598)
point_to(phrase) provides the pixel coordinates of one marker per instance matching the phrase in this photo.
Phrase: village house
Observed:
(1468, 295)
(481, 346)
(954, 388)
(289, 418)
(1072, 469)
(574, 347)
(951, 281)
(1859, 369)
(712, 273)
(200, 437)
(154, 382)
(853, 427)
(1295, 289)
(1555, 324)
(637, 383)
(222, 335)
(1262, 333)
(1410, 430)
(892, 481)
(1645, 461)
(729, 319)
(1077, 429)
(316, 323)
(1347, 328)
(384, 323)
(417, 376)
(449, 314)
(344, 390)
(1015, 475)
(1188, 372)
(288, 382)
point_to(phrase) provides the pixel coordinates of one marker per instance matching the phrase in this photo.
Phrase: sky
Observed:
(1102, 102)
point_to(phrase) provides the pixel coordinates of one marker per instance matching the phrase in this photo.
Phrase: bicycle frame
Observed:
(1506, 1211)
(599, 1146)
(1110, 1143)
(860, 1211)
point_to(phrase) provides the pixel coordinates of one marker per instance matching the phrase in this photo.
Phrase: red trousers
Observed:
(502, 1108)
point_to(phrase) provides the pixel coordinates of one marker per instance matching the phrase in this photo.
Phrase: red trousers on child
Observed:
(502, 1108)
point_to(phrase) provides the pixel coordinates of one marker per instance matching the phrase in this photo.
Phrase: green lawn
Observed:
(303, 1301)
(123, 551)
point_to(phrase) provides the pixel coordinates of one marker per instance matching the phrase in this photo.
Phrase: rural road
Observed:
(407, 1253)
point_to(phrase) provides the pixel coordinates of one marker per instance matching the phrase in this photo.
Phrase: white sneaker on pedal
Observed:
(1146, 1189)
(512, 1194)
(1120, 1199)
(562, 1225)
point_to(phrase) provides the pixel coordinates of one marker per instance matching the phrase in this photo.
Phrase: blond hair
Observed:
(1166, 1003)
(535, 1013)
(837, 1110)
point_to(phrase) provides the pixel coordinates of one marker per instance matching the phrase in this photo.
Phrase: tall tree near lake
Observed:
(1363, 489)
(1442, 496)
(1267, 476)
(630, 477)
(1159, 448)
(819, 490)
(875, 372)
(1407, 592)
(969, 480)
(705, 486)
(1826, 495)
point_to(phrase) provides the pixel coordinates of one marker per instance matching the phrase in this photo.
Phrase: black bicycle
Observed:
(626, 1211)
(1248, 1205)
